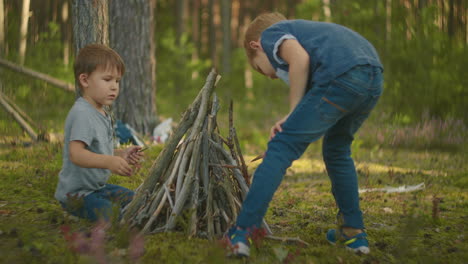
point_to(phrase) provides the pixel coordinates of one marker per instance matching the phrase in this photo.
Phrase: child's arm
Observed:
(82, 157)
(299, 62)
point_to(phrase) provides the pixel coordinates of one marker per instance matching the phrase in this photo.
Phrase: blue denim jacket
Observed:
(333, 49)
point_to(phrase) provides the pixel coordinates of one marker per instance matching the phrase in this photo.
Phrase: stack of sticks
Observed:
(195, 184)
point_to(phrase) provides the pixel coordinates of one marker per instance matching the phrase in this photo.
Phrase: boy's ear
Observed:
(83, 79)
(255, 45)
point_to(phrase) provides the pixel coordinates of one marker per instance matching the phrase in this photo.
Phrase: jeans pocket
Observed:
(329, 111)
(337, 102)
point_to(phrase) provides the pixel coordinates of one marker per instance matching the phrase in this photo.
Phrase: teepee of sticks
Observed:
(195, 184)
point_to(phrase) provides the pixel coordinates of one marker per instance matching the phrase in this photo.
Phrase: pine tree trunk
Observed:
(2, 29)
(66, 29)
(180, 21)
(388, 20)
(90, 24)
(326, 10)
(212, 32)
(226, 22)
(23, 31)
(204, 28)
(196, 33)
(451, 19)
(181, 8)
(131, 35)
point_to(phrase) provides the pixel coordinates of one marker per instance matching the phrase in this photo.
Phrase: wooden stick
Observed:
(237, 173)
(188, 183)
(19, 110)
(209, 212)
(23, 124)
(242, 161)
(182, 169)
(41, 76)
(168, 194)
(194, 206)
(154, 216)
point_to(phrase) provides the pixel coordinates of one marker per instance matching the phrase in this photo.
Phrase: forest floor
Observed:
(426, 226)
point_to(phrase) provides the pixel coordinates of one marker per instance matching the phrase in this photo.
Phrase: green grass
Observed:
(400, 225)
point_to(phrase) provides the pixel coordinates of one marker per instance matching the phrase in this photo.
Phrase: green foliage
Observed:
(423, 65)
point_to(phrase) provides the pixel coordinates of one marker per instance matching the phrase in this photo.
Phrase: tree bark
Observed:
(2, 28)
(226, 22)
(451, 19)
(23, 30)
(212, 32)
(90, 24)
(204, 28)
(235, 22)
(181, 15)
(388, 20)
(66, 29)
(326, 10)
(196, 33)
(131, 35)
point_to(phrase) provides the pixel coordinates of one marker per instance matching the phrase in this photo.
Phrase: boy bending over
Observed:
(335, 80)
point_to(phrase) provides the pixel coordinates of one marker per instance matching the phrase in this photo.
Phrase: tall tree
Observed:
(212, 32)
(226, 22)
(2, 28)
(90, 23)
(388, 20)
(24, 30)
(326, 10)
(65, 29)
(196, 22)
(131, 35)
(181, 17)
(180, 26)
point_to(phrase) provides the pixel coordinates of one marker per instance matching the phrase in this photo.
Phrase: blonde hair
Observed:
(93, 56)
(255, 29)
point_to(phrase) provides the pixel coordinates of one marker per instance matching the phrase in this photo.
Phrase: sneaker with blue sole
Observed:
(357, 243)
(239, 242)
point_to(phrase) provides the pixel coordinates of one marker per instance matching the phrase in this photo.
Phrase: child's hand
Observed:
(119, 166)
(133, 155)
(277, 127)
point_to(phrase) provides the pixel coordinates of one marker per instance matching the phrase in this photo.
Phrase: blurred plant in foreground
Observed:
(93, 243)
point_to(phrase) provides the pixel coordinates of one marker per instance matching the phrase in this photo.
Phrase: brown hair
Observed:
(255, 29)
(93, 56)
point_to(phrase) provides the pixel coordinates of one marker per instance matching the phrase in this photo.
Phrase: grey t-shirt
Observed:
(84, 123)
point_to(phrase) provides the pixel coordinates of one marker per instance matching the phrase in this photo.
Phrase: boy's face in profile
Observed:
(260, 61)
(101, 87)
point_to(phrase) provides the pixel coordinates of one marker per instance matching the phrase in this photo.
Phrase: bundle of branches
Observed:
(195, 184)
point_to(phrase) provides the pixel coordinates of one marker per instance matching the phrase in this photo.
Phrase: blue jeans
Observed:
(99, 204)
(335, 110)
